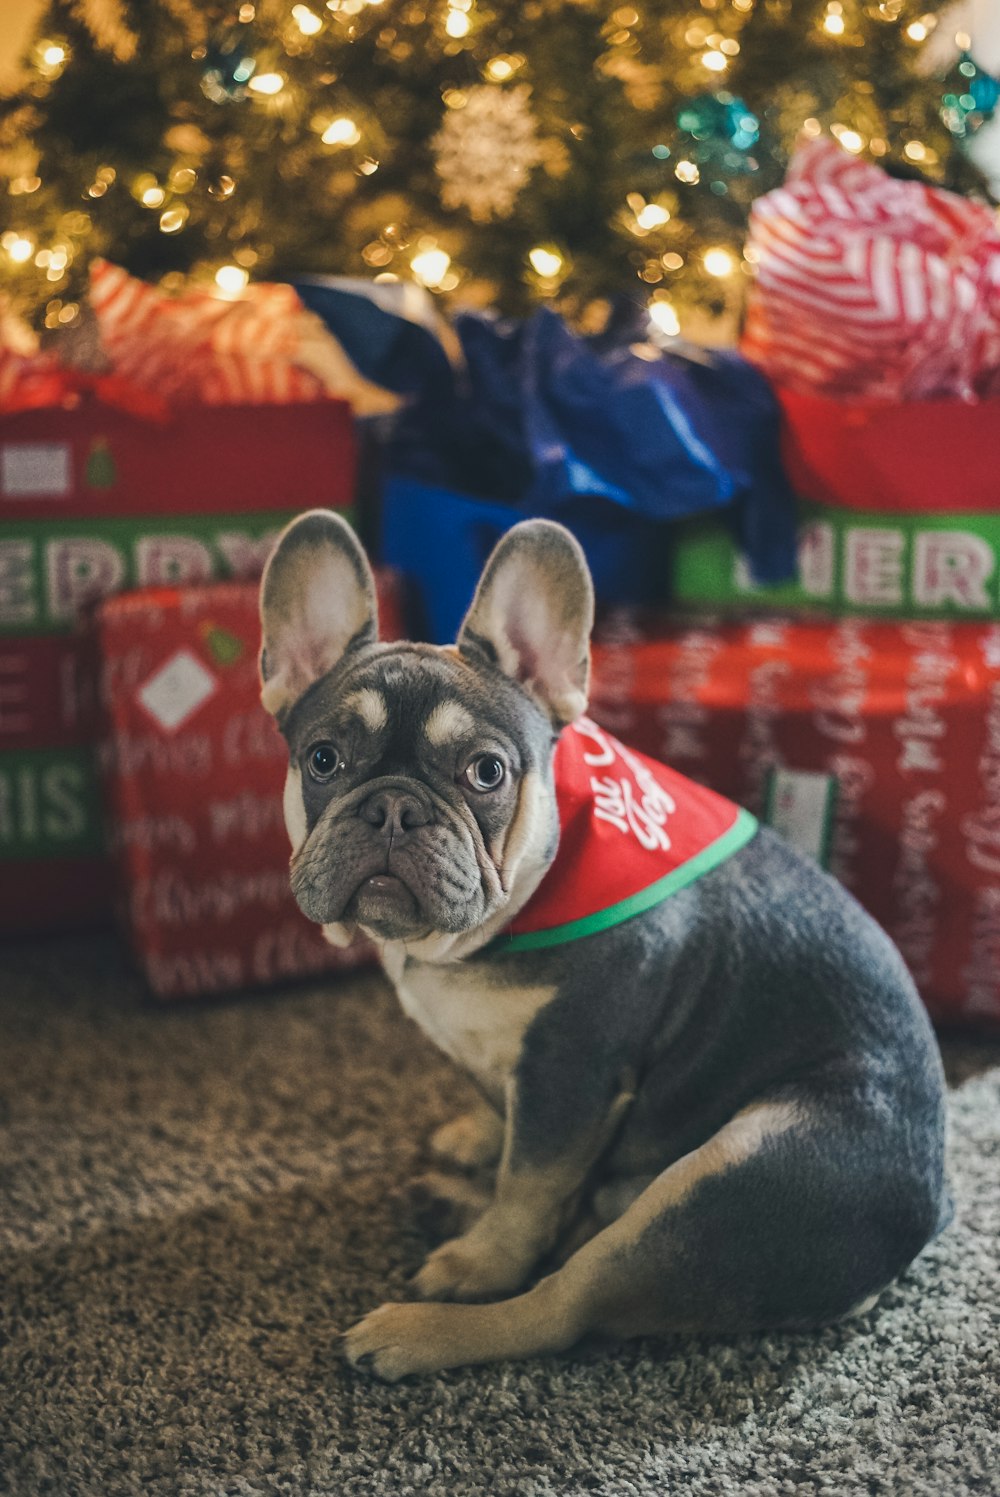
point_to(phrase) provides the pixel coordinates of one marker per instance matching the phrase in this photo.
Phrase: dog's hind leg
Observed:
(792, 1214)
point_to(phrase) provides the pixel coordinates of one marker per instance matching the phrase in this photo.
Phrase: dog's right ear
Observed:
(317, 601)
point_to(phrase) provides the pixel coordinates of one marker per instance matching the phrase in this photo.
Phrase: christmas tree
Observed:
(500, 151)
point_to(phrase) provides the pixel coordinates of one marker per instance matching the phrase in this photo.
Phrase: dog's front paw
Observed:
(398, 1340)
(469, 1268)
(471, 1141)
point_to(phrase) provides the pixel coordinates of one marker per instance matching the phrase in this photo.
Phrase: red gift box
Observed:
(194, 770)
(95, 498)
(900, 722)
(924, 456)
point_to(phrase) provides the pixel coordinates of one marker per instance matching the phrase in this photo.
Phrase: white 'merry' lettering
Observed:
(80, 570)
(873, 566)
(18, 604)
(244, 554)
(952, 566)
(170, 560)
(815, 562)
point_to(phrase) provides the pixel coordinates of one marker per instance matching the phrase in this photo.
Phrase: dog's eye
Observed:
(486, 772)
(323, 760)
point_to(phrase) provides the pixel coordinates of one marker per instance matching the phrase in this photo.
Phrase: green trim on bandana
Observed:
(710, 857)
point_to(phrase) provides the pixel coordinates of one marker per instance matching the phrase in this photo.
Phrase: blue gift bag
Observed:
(440, 540)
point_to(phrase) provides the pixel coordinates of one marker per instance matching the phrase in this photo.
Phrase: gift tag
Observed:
(800, 805)
(35, 470)
(176, 691)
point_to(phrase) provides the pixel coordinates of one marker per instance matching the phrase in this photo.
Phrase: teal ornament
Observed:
(720, 131)
(229, 65)
(971, 98)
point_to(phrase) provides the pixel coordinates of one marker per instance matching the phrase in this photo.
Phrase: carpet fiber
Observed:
(195, 1201)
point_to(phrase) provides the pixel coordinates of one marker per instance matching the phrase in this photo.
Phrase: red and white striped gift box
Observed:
(200, 347)
(872, 286)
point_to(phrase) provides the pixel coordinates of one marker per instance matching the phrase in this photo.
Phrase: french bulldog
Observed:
(715, 1106)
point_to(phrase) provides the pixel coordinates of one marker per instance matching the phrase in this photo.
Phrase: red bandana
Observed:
(632, 832)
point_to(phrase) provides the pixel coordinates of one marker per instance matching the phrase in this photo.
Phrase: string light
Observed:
(430, 266)
(457, 24)
(548, 263)
(267, 83)
(849, 139)
(652, 216)
(687, 172)
(232, 279)
(306, 20)
(152, 197)
(19, 247)
(715, 61)
(718, 262)
(173, 220)
(50, 58)
(833, 22)
(499, 69)
(341, 132)
(664, 318)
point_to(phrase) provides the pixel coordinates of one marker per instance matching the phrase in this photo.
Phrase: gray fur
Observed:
(751, 1053)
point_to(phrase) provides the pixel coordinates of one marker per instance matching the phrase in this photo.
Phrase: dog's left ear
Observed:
(317, 600)
(532, 616)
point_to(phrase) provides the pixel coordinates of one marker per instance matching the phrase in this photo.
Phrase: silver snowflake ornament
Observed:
(485, 151)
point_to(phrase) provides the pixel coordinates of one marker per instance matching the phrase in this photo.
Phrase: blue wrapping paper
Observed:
(533, 420)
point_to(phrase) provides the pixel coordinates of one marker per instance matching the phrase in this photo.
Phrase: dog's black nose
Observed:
(394, 811)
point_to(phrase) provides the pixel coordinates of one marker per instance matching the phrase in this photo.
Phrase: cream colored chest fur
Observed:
(481, 1025)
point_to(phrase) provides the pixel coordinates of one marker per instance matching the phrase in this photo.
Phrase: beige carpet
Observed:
(195, 1201)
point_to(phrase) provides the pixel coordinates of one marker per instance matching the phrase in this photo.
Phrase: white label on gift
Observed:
(799, 803)
(176, 691)
(35, 470)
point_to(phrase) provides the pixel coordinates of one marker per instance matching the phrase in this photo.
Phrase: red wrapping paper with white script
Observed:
(194, 770)
(872, 287)
(904, 716)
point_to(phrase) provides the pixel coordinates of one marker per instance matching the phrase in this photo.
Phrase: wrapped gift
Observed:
(899, 514)
(876, 314)
(874, 745)
(167, 443)
(194, 770)
(95, 498)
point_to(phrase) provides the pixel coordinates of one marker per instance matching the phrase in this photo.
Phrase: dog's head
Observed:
(419, 797)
